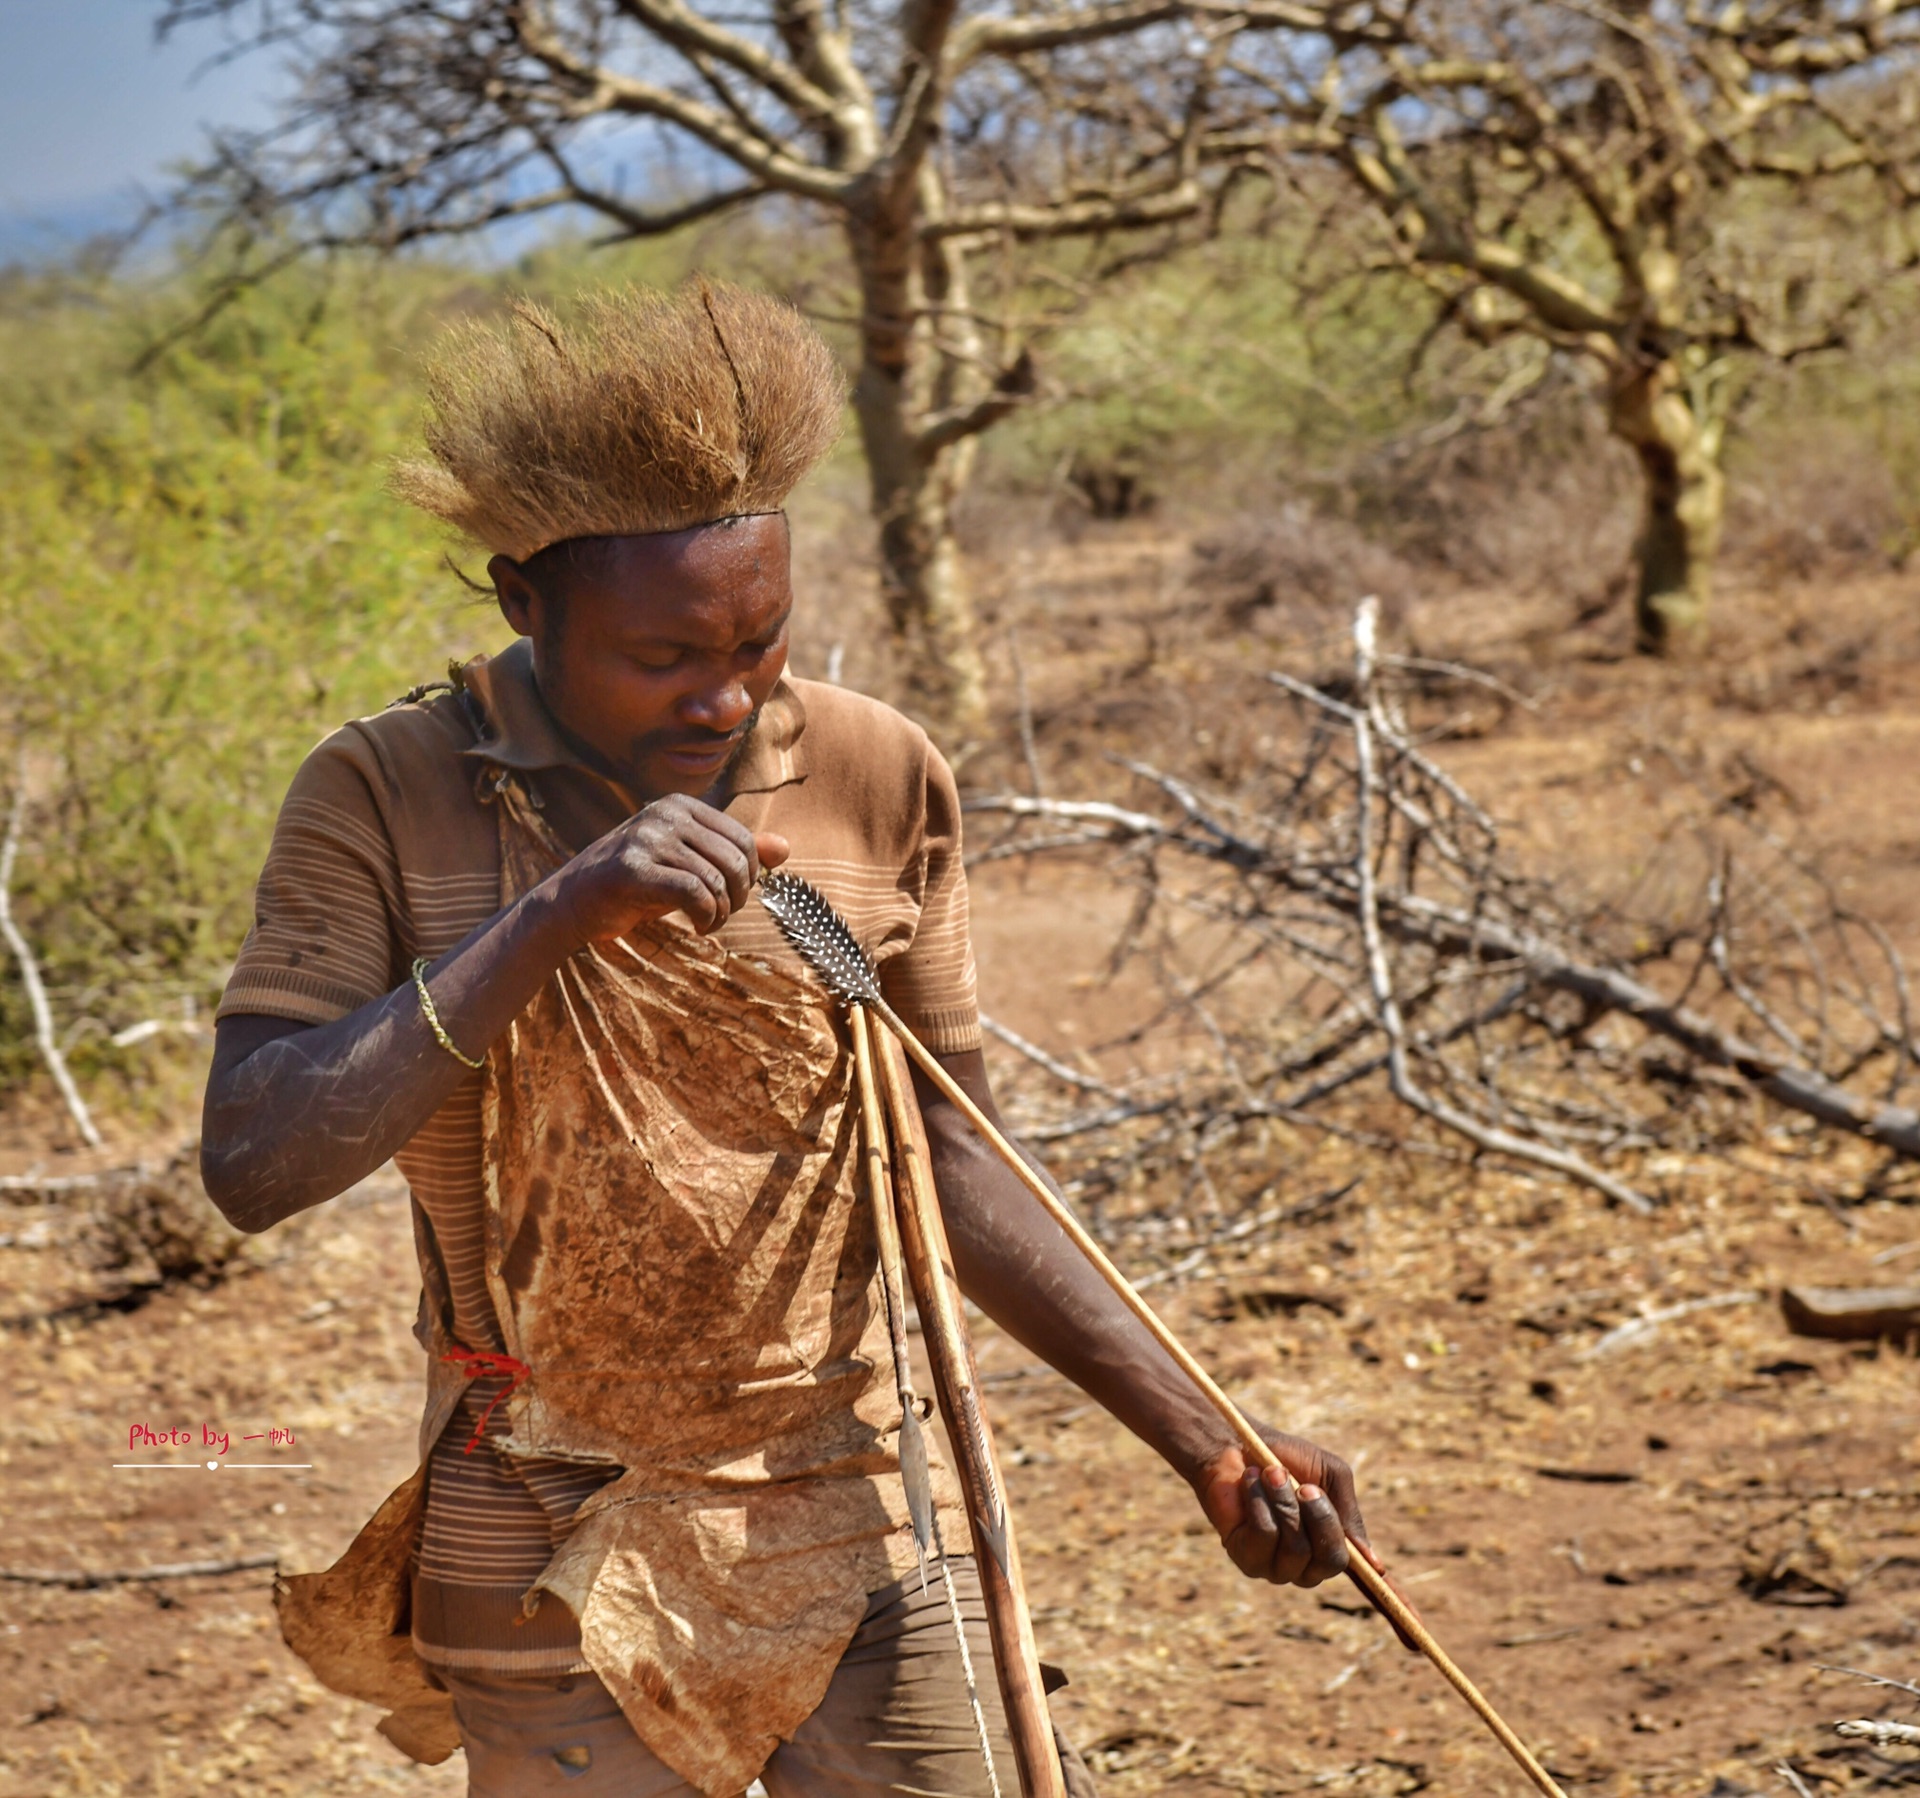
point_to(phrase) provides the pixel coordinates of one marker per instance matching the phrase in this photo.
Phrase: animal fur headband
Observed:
(644, 412)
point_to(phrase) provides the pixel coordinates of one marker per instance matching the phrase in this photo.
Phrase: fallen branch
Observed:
(1405, 1088)
(81, 1579)
(1413, 918)
(149, 1028)
(1858, 1314)
(1246, 1228)
(1637, 1329)
(1872, 1679)
(1067, 1076)
(1799, 1088)
(1879, 1732)
(1535, 1015)
(1393, 941)
(30, 971)
(47, 1188)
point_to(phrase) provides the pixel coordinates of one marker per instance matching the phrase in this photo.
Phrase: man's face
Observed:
(654, 654)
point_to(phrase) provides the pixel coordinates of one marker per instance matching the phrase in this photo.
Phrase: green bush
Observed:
(204, 576)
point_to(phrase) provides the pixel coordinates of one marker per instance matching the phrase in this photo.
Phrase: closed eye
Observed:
(773, 638)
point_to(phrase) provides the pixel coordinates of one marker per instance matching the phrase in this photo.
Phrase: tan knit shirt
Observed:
(387, 848)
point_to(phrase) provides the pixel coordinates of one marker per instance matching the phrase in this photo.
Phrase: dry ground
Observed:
(1648, 1557)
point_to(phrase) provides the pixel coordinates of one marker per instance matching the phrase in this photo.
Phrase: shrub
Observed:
(204, 576)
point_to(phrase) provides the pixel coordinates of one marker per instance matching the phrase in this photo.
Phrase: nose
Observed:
(720, 705)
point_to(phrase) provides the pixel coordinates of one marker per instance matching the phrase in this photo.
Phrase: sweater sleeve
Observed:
(932, 985)
(324, 939)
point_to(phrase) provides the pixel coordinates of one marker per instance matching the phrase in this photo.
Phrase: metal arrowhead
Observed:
(917, 1477)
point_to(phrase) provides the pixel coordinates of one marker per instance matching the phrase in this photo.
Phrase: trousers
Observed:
(896, 1719)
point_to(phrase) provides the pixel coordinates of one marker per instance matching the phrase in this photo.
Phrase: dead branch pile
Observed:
(121, 1231)
(1352, 924)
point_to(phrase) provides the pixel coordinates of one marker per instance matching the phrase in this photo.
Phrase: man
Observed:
(505, 936)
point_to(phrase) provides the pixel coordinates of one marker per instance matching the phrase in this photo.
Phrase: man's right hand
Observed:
(675, 855)
(297, 1112)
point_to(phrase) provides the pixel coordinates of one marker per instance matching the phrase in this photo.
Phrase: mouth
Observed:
(707, 756)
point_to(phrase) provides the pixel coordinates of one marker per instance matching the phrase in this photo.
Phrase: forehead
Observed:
(715, 583)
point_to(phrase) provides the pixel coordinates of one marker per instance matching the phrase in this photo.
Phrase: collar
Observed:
(520, 732)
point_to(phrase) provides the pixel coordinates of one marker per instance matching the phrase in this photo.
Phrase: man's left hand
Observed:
(1292, 1535)
(1273, 1532)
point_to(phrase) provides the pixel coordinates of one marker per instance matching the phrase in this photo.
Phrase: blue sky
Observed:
(91, 110)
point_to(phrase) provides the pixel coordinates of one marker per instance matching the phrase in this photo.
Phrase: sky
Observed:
(92, 111)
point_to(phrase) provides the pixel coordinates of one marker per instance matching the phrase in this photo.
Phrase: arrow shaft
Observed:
(996, 1555)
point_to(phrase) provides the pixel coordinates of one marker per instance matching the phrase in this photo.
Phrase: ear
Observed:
(520, 600)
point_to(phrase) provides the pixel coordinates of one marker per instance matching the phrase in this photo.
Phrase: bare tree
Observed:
(1672, 193)
(946, 146)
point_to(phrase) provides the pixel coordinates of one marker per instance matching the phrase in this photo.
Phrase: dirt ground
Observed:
(1651, 1553)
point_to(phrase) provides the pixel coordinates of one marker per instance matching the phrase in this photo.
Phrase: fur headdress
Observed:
(644, 412)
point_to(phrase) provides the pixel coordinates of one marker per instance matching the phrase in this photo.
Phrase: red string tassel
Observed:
(480, 1364)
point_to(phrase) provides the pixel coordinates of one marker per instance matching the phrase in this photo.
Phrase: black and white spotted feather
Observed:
(821, 936)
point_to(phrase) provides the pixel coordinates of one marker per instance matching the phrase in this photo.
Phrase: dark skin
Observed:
(654, 655)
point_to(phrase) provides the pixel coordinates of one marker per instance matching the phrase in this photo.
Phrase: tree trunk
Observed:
(922, 581)
(913, 491)
(1685, 504)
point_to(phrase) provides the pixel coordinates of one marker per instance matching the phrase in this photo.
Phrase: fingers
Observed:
(1312, 1465)
(676, 855)
(1315, 1468)
(1290, 1536)
(732, 846)
(1253, 1543)
(724, 864)
(703, 862)
(1336, 1479)
(1327, 1541)
(697, 880)
(1293, 1534)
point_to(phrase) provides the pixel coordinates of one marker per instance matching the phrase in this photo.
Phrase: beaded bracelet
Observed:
(433, 1018)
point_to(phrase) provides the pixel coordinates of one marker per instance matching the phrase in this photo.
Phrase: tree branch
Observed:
(1072, 218)
(944, 429)
(635, 222)
(30, 969)
(603, 90)
(686, 30)
(1559, 300)
(1012, 37)
(81, 1579)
